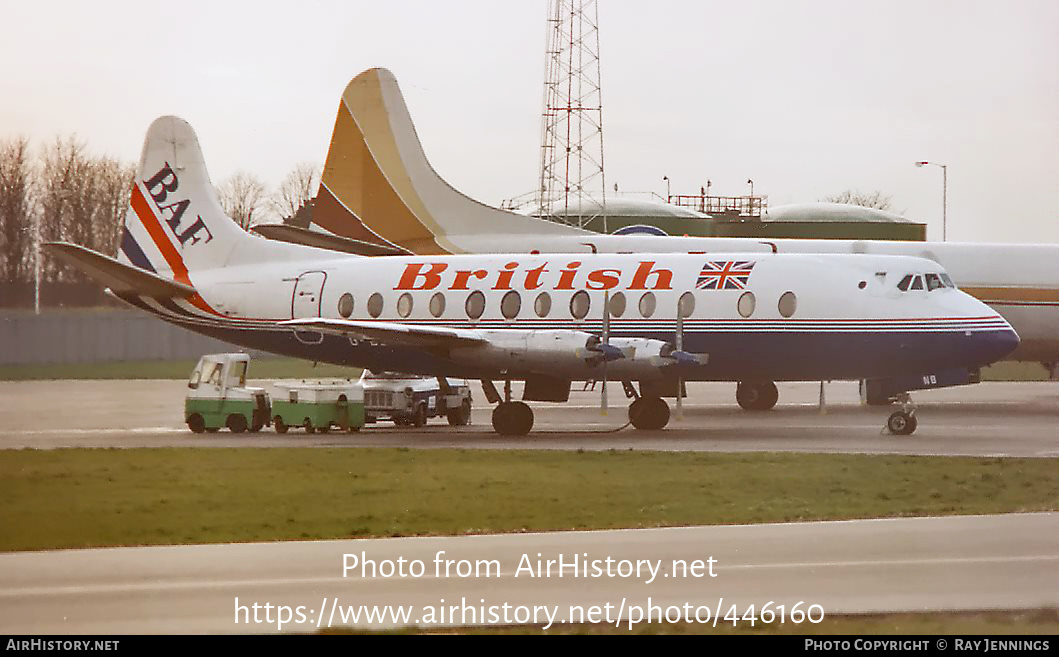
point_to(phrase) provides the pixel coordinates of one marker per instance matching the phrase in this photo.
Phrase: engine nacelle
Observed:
(570, 353)
(574, 354)
(645, 358)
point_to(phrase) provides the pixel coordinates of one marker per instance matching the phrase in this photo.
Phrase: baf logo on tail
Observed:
(160, 186)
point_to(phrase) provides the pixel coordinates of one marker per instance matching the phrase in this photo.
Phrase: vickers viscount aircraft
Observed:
(655, 319)
(378, 187)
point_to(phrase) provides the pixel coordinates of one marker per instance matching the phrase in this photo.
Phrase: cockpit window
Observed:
(933, 282)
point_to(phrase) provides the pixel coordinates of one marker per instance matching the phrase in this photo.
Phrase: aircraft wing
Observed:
(391, 333)
(115, 275)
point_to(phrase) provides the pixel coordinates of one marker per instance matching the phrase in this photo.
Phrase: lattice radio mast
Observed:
(572, 187)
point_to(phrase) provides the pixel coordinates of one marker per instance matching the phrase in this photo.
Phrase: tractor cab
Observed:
(218, 396)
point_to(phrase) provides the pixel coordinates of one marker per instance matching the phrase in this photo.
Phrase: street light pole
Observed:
(36, 263)
(944, 197)
(669, 194)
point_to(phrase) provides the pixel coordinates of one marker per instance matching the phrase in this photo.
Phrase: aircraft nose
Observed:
(994, 345)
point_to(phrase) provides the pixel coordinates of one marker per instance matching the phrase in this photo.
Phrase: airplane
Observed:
(378, 187)
(655, 319)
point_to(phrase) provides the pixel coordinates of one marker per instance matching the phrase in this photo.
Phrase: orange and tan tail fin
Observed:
(377, 184)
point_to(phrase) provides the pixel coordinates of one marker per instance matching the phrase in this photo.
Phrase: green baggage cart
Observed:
(318, 405)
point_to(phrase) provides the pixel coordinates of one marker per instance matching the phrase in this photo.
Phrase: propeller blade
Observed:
(607, 351)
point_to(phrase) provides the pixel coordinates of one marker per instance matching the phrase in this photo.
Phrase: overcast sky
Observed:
(806, 97)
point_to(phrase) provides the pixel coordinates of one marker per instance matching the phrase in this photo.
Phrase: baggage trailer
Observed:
(318, 405)
(410, 400)
(219, 396)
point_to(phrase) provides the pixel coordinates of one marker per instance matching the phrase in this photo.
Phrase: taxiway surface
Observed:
(989, 419)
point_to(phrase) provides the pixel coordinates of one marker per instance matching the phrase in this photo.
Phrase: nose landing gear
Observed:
(903, 422)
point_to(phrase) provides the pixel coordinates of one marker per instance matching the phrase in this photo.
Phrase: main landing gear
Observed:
(515, 418)
(646, 413)
(756, 396)
(649, 413)
(510, 418)
(903, 422)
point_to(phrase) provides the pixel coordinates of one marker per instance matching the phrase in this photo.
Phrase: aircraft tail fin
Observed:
(174, 223)
(377, 184)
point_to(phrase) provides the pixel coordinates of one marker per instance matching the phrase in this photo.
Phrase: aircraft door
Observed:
(308, 290)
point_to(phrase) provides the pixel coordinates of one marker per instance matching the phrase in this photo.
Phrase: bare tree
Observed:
(876, 199)
(241, 196)
(111, 184)
(82, 199)
(297, 189)
(61, 192)
(16, 210)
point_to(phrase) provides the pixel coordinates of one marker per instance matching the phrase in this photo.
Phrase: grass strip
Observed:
(77, 498)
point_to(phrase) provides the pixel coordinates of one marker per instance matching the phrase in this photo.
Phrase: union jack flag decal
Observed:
(724, 275)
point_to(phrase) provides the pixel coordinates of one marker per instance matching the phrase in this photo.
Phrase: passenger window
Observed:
(788, 304)
(437, 304)
(905, 282)
(345, 305)
(617, 304)
(648, 304)
(375, 305)
(917, 283)
(686, 305)
(404, 305)
(747, 304)
(542, 305)
(475, 305)
(580, 304)
(510, 305)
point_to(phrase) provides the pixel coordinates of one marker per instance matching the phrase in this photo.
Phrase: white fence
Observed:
(96, 335)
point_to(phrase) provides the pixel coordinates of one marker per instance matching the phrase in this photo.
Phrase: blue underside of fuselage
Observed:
(733, 356)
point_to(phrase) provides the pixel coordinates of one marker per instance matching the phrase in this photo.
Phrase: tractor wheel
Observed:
(236, 423)
(461, 416)
(420, 417)
(196, 423)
